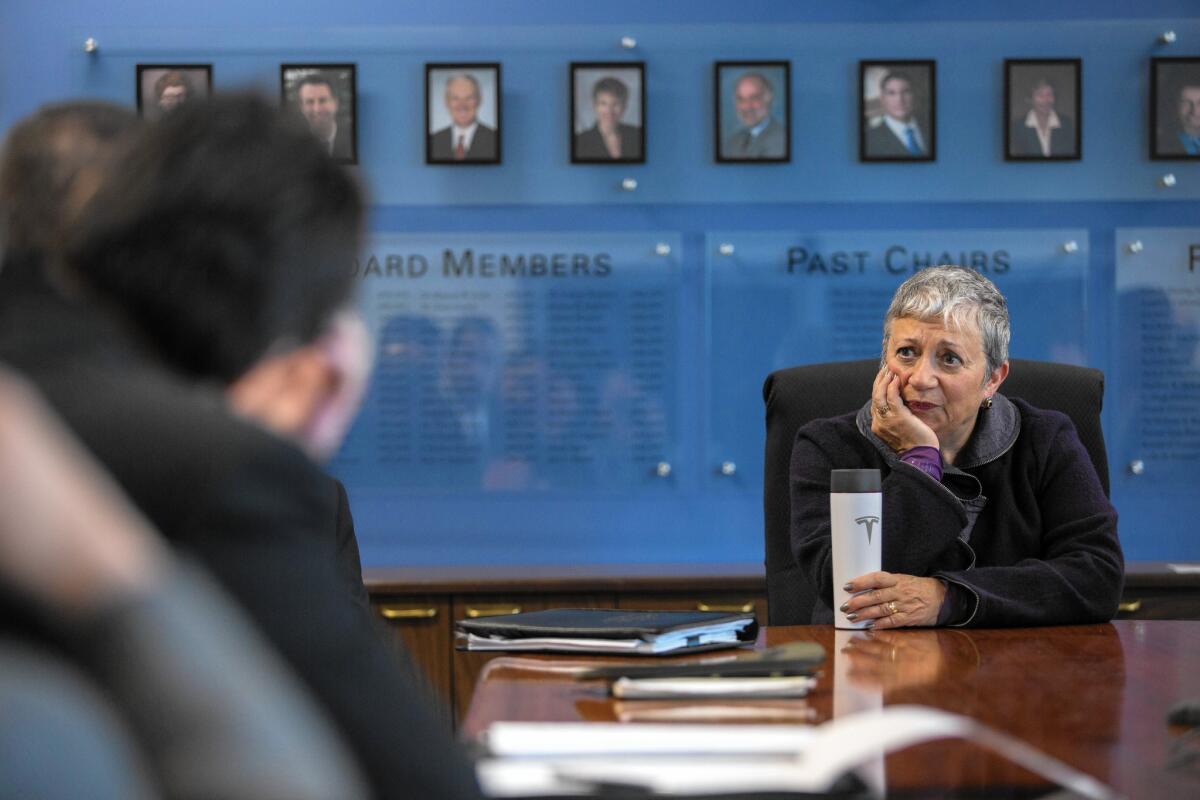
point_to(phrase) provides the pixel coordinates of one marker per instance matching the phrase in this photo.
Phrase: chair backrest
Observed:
(796, 395)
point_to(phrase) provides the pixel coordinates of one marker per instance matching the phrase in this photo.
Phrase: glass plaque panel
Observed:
(517, 363)
(782, 299)
(1154, 424)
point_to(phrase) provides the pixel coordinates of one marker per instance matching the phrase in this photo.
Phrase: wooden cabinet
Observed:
(420, 606)
(1153, 590)
(729, 602)
(422, 625)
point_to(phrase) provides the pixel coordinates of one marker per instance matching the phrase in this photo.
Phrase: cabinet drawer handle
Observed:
(1130, 607)
(730, 608)
(407, 612)
(475, 612)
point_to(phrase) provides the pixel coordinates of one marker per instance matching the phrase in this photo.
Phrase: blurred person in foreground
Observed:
(993, 514)
(123, 673)
(195, 337)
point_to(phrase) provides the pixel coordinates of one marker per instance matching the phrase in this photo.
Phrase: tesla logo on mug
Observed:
(870, 523)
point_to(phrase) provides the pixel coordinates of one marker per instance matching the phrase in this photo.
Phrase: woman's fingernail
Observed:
(849, 587)
(852, 616)
(845, 607)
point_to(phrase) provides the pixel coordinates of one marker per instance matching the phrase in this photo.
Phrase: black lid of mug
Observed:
(854, 481)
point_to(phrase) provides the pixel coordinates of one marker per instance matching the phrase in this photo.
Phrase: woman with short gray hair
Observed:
(993, 513)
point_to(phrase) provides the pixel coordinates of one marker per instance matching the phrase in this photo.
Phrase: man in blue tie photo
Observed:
(898, 132)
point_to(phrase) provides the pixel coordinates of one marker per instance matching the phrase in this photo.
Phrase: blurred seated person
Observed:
(993, 514)
(124, 674)
(609, 138)
(193, 333)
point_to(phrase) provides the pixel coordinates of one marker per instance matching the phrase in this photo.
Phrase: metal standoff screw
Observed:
(1167, 181)
(1136, 246)
(728, 468)
(90, 45)
(1137, 466)
(629, 184)
(1167, 37)
(726, 249)
(1071, 246)
(628, 42)
(662, 469)
(662, 249)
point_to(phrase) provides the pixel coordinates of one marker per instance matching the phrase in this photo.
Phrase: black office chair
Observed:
(796, 395)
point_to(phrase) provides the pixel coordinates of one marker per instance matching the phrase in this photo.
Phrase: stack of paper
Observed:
(597, 630)
(692, 688)
(554, 759)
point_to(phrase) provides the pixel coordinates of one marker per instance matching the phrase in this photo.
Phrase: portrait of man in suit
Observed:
(898, 113)
(462, 113)
(1175, 106)
(753, 113)
(324, 95)
(161, 88)
(1042, 110)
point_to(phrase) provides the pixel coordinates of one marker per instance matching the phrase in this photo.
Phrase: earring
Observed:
(987, 402)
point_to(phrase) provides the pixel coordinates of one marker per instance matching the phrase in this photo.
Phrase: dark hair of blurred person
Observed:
(224, 232)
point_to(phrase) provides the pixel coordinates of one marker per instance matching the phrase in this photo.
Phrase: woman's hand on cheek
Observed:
(891, 420)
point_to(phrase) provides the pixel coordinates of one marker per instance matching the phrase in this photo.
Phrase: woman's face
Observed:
(608, 109)
(943, 375)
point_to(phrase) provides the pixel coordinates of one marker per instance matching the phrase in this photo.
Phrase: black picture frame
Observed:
(876, 143)
(195, 80)
(341, 78)
(1174, 90)
(1023, 77)
(485, 147)
(587, 80)
(732, 141)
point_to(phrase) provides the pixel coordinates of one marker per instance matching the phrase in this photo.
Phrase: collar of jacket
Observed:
(996, 430)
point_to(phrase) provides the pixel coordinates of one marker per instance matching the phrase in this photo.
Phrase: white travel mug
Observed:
(856, 531)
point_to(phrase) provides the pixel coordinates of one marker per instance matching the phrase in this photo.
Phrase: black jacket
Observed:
(1021, 522)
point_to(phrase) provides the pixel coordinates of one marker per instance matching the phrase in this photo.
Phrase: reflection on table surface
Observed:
(1094, 696)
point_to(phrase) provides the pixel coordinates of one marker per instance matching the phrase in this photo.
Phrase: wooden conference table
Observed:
(1094, 696)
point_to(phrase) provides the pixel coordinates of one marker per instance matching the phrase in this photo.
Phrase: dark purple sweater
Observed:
(1020, 523)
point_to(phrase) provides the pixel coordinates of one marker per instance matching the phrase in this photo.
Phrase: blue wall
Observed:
(680, 189)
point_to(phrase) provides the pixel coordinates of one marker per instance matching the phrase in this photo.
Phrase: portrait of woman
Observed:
(993, 514)
(161, 88)
(1042, 110)
(607, 113)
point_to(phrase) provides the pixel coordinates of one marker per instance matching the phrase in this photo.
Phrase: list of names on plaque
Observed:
(538, 381)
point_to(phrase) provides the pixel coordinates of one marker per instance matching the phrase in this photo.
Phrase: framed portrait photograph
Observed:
(324, 95)
(462, 113)
(161, 88)
(1043, 111)
(897, 111)
(1174, 108)
(754, 112)
(608, 112)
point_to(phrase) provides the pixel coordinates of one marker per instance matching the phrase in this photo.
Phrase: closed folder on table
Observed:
(619, 631)
(795, 658)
